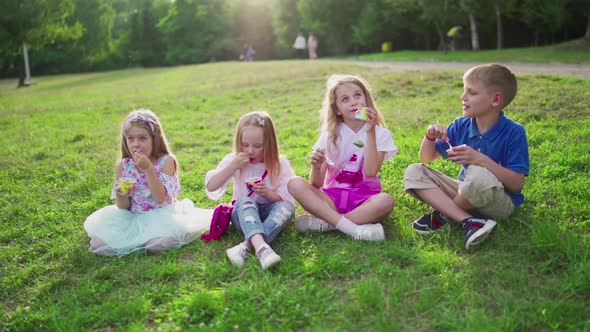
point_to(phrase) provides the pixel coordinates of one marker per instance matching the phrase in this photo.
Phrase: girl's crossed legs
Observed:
(359, 223)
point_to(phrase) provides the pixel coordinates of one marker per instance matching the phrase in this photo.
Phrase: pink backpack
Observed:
(219, 222)
(222, 218)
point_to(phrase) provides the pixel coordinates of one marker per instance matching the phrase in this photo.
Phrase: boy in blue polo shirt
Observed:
(492, 149)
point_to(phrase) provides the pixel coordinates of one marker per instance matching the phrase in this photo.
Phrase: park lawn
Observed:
(575, 51)
(60, 140)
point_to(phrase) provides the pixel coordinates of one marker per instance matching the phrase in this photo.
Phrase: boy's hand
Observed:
(464, 154)
(435, 131)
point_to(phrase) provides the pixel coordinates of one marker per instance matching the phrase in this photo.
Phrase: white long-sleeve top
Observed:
(252, 170)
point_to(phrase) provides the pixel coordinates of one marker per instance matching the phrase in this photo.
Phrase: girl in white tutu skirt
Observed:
(146, 216)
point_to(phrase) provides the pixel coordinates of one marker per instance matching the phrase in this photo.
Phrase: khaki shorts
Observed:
(481, 188)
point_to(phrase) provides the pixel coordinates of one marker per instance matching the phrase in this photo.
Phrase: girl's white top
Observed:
(252, 170)
(345, 148)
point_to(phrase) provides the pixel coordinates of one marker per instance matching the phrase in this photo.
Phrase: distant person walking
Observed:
(299, 46)
(312, 46)
(243, 53)
(248, 53)
(453, 37)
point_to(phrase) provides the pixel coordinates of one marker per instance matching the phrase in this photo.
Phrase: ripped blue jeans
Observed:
(251, 218)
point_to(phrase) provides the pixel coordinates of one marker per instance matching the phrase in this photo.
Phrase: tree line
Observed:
(90, 35)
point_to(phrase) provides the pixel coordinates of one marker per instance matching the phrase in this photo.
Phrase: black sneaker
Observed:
(430, 222)
(477, 230)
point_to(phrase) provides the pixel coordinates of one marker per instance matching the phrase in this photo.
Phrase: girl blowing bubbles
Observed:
(263, 206)
(145, 217)
(344, 192)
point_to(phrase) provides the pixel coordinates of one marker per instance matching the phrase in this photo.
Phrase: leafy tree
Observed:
(96, 18)
(285, 24)
(415, 28)
(331, 21)
(35, 23)
(391, 20)
(544, 16)
(134, 38)
(442, 14)
(75, 35)
(152, 46)
(501, 8)
(365, 32)
(196, 31)
(471, 7)
(499, 27)
(252, 24)
(378, 21)
(145, 45)
(580, 12)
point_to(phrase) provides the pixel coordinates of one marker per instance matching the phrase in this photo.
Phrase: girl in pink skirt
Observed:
(344, 192)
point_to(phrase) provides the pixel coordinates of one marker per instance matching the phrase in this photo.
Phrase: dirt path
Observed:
(558, 69)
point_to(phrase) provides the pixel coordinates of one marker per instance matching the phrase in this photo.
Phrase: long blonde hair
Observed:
(329, 119)
(146, 119)
(270, 141)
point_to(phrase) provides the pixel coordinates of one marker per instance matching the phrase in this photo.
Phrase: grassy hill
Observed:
(575, 51)
(60, 141)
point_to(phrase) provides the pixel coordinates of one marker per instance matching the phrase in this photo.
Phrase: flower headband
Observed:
(151, 123)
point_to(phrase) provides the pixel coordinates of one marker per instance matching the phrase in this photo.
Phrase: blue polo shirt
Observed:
(505, 143)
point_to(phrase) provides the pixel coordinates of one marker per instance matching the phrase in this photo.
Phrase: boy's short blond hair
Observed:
(494, 77)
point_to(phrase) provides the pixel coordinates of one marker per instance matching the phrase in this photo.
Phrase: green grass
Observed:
(576, 51)
(60, 143)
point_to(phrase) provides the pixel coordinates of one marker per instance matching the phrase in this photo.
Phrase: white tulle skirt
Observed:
(117, 232)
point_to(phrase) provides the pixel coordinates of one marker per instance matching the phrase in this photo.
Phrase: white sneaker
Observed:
(237, 255)
(369, 232)
(307, 222)
(268, 258)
